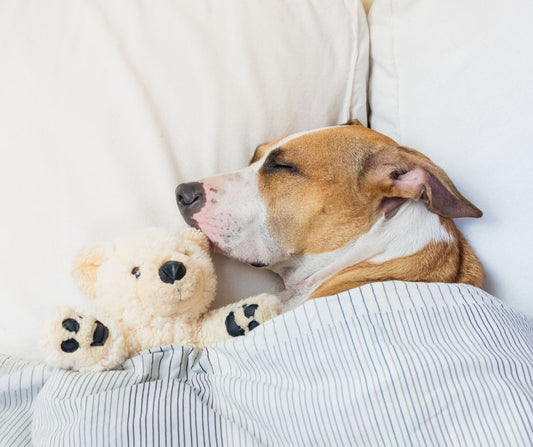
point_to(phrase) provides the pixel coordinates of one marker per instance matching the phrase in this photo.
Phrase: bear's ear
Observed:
(86, 264)
(197, 237)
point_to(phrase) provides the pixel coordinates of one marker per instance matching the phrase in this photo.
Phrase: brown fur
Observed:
(437, 262)
(343, 180)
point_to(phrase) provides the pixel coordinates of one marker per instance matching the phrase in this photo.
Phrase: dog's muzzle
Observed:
(190, 198)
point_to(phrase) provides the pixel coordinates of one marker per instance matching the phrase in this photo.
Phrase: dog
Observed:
(335, 208)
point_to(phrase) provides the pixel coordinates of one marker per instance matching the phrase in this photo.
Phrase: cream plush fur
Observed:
(135, 308)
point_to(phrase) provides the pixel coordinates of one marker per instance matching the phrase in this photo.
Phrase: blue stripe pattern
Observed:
(20, 383)
(386, 364)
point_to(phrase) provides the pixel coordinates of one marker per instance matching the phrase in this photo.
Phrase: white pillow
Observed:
(105, 106)
(454, 80)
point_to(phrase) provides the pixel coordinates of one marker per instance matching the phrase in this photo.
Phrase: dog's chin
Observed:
(258, 264)
(217, 244)
(233, 254)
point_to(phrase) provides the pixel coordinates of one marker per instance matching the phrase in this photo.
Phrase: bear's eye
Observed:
(136, 271)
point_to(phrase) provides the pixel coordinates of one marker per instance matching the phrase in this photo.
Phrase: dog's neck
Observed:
(408, 232)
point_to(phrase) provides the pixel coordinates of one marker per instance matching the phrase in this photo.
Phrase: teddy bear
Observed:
(147, 289)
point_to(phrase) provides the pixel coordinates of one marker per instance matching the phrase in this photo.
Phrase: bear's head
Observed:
(149, 274)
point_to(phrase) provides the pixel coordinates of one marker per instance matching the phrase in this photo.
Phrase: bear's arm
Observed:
(235, 319)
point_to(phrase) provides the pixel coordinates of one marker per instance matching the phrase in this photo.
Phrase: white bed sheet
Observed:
(406, 364)
(453, 80)
(107, 105)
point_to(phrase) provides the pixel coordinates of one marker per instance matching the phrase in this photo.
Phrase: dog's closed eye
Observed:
(274, 163)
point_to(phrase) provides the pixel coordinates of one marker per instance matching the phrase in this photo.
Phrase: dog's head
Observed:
(315, 192)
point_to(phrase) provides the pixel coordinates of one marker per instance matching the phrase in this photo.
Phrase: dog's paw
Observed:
(250, 313)
(74, 340)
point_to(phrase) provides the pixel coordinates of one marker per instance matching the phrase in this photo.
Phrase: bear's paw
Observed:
(79, 341)
(250, 313)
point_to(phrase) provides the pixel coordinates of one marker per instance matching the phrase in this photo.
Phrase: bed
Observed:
(107, 105)
(385, 364)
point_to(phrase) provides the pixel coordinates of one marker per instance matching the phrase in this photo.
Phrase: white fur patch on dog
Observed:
(294, 136)
(413, 227)
(410, 230)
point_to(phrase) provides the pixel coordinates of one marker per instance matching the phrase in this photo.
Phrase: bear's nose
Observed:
(172, 271)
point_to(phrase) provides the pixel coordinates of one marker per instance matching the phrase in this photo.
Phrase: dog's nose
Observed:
(190, 197)
(172, 271)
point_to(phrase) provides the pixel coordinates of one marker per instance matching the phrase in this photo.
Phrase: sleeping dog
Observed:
(335, 208)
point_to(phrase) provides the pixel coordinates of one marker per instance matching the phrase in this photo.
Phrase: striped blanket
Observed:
(387, 364)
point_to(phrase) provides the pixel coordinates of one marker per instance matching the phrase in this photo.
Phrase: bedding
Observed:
(385, 364)
(107, 105)
(453, 80)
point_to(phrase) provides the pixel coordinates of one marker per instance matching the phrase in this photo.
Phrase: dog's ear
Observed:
(258, 153)
(407, 174)
(86, 264)
(353, 122)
